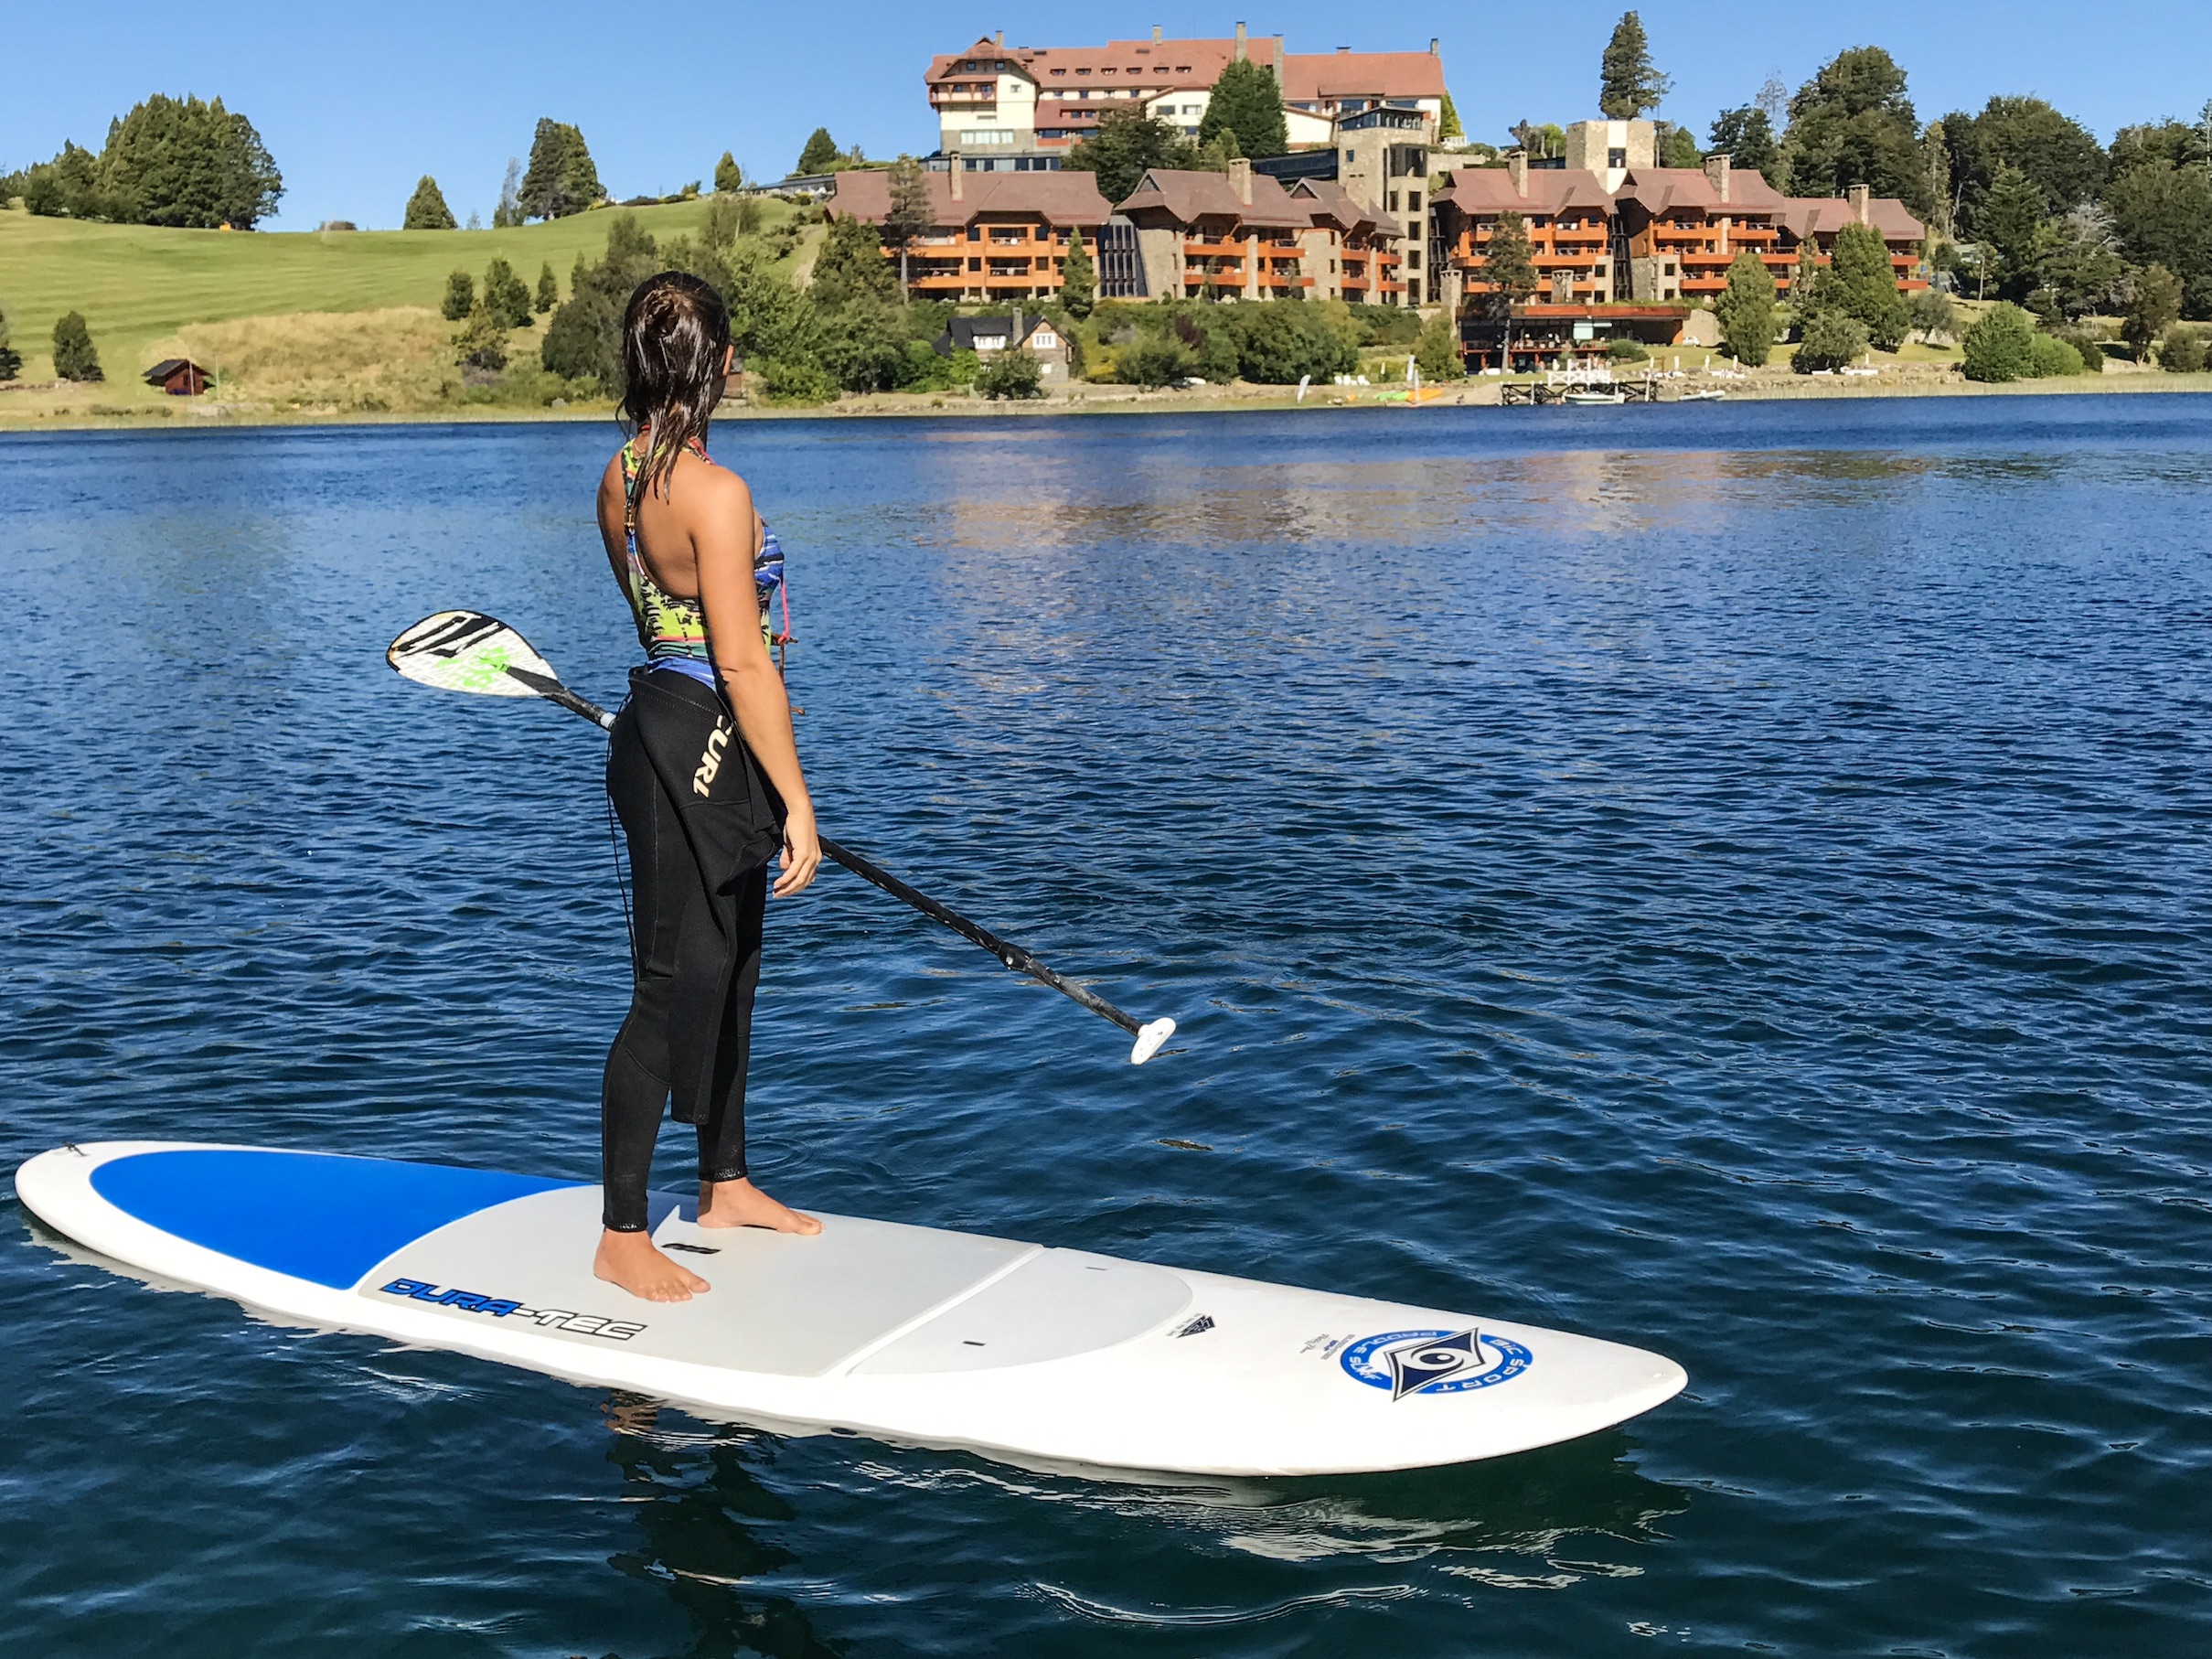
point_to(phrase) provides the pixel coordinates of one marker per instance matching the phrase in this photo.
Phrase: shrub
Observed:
(481, 342)
(11, 360)
(1011, 373)
(2086, 347)
(2153, 303)
(1931, 314)
(796, 380)
(2000, 347)
(2182, 352)
(1829, 339)
(1745, 310)
(549, 288)
(74, 359)
(1437, 355)
(2049, 355)
(1626, 351)
(1155, 360)
(460, 296)
(924, 370)
(505, 296)
(863, 347)
(1280, 342)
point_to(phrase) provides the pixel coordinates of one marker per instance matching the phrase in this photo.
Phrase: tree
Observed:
(1436, 353)
(509, 210)
(2000, 347)
(2154, 306)
(911, 211)
(460, 296)
(1279, 343)
(1628, 83)
(1677, 146)
(1078, 277)
(2009, 222)
(74, 359)
(1829, 339)
(1127, 145)
(505, 297)
(863, 345)
(728, 176)
(820, 154)
(2056, 155)
(1248, 102)
(1509, 267)
(174, 161)
(2049, 355)
(562, 179)
(1863, 285)
(549, 288)
(1448, 122)
(2082, 270)
(2175, 143)
(1011, 373)
(1851, 125)
(1745, 138)
(1932, 314)
(481, 342)
(1805, 295)
(11, 360)
(426, 208)
(2162, 214)
(851, 265)
(1745, 310)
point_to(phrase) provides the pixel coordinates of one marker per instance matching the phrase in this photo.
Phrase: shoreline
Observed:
(1101, 401)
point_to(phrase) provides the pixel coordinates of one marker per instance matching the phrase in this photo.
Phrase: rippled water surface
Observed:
(1731, 879)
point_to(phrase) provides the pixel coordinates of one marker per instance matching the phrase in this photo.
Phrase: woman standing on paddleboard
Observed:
(704, 774)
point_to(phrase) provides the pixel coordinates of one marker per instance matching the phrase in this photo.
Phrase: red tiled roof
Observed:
(1551, 190)
(1661, 189)
(1176, 64)
(1336, 205)
(1325, 77)
(1187, 197)
(1061, 199)
(1825, 215)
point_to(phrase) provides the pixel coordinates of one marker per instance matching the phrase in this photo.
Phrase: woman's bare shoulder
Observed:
(705, 487)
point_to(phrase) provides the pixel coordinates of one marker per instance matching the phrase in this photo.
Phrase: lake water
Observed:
(1729, 879)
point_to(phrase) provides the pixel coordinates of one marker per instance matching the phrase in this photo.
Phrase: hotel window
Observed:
(1412, 202)
(1616, 158)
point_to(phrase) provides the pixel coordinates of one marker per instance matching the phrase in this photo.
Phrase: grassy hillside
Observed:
(138, 285)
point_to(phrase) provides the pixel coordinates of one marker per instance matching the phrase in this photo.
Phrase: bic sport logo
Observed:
(1435, 1362)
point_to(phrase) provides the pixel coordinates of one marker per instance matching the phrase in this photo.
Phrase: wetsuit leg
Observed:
(721, 1137)
(634, 1086)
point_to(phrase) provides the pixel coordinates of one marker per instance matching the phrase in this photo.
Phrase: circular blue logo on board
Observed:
(1435, 1362)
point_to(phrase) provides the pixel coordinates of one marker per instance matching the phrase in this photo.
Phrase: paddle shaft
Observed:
(1013, 955)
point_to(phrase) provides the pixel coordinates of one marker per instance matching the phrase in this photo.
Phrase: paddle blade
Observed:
(468, 651)
(1148, 1039)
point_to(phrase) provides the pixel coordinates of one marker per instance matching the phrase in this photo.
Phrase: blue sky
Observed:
(358, 102)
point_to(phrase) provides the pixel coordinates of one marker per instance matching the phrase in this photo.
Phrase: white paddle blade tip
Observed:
(467, 651)
(1148, 1039)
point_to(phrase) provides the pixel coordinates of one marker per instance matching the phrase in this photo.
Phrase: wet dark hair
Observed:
(675, 333)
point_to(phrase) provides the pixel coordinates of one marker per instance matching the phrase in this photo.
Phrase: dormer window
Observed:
(1059, 71)
(1083, 71)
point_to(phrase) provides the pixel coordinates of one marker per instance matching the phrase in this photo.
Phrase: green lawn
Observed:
(137, 285)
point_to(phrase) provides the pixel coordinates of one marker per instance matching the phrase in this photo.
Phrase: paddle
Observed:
(468, 651)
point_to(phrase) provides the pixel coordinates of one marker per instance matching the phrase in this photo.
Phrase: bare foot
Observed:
(739, 1204)
(631, 1262)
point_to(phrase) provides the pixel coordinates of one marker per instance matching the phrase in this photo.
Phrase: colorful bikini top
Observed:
(670, 627)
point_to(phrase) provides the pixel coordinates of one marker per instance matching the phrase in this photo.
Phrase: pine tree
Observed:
(1677, 146)
(1078, 277)
(911, 211)
(1853, 125)
(2153, 304)
(562, 179)
(1745, 310)
(1864, 285)
(505, 296)
(74, 359)
(2008, 220)
(1805, 280)
(1248, 102)
(549, 288)
(1448, 122)
(481, 342)
(728, 176)
(11, 360)
(1746, 136)
(1509, 267)
(509, 210)
(460, 296)
(851, 265)
(821, 154)
(1628, 83)
(426, 208)
(176, 161)
(1127, 145)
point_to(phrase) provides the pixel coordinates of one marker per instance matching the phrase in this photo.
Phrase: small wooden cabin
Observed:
(179, 376)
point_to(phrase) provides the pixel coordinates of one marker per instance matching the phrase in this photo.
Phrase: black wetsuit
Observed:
(703, 824)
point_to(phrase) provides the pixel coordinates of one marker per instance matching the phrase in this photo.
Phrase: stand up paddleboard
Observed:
(903, 1332)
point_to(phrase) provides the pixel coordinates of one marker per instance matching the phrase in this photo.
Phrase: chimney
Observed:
(1717, 175)
(1156, 34)
(1516, 169)
(1344, 51)
(1861, 203)
(999, 39)
(957, 163)
(1240, 179)
(1239, 53)
(1434, 47)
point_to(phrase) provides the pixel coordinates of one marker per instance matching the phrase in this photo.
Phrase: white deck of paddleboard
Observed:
(918, 1335)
